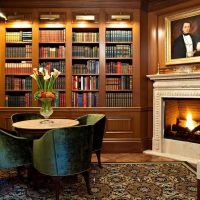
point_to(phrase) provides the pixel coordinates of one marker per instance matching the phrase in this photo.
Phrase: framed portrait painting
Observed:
(182, 44)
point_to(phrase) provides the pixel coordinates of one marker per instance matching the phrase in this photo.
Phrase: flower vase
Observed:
(46, 109)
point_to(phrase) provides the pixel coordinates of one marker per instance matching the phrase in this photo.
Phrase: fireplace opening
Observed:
(182, 119)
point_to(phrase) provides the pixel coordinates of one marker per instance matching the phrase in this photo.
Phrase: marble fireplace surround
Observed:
(180, 85)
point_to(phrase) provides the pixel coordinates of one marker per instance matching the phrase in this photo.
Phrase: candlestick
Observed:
(158, 69)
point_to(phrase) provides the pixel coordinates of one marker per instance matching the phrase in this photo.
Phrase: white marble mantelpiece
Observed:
(181, 85)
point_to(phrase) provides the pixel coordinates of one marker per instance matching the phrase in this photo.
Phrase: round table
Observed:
(37, 127)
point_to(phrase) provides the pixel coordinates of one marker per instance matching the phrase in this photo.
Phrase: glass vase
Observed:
(46, 109)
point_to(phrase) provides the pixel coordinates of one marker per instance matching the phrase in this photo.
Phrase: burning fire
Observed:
(189, 122)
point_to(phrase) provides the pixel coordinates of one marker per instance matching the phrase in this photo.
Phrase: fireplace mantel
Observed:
(157, 77)
(180, 85)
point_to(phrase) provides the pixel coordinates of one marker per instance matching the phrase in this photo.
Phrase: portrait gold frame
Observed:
(168, 33)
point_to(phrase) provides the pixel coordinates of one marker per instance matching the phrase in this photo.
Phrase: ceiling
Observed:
(150, 5)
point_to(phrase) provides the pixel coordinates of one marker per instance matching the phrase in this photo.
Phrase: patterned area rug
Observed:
(115, 181)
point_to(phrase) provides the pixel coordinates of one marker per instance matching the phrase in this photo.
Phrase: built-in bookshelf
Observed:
(85, 67)
(18, 67)
(52, 55)
(86, 79)
(119, 68)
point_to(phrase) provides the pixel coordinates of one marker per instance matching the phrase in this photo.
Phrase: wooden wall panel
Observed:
(119, 124)
(122, 125)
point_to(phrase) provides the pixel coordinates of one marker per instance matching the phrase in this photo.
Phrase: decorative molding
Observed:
(172, 86)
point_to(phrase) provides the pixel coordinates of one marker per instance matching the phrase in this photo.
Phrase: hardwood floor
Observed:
(129, 157)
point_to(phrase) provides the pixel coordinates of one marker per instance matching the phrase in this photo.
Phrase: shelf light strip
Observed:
(85, 17)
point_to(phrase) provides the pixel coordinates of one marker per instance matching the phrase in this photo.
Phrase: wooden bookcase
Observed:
(85, 67)
(119, 68)
(101, 72)
(18, 66)
(52, 55)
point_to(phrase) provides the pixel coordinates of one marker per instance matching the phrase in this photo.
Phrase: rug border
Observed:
(185, 163)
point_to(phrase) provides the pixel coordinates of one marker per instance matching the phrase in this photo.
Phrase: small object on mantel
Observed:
(185, 69)
(158, 69)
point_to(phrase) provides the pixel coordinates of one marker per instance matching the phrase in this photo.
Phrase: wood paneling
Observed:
(122, 125)
(150, 5)
(70, 4)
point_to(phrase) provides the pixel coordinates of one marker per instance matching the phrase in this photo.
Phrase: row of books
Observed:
(85, 82)
(19, 36)
(119, 68)
(92, 67)
(59, 83)
(89, 99)
(119, 51)
(119, 99)
(52, 35)
(52, 52)
(121, 83)
(19, 52)
(61, 100)
(18, 83)
(24, 100)
(85, 37)
(119, 36)
(85, 51)
(59, 65)
(23, 67)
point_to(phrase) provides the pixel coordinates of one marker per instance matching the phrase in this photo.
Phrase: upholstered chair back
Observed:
(25, 116)
(14, 151)
(64, 151)
(97, 121)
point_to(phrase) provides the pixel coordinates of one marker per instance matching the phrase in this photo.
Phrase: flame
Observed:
(190, 122)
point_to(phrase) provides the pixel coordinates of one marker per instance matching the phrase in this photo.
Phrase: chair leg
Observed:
(56, 180)
(86, 176)
(98, 154)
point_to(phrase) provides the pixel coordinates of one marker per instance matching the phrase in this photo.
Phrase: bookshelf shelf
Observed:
(14, 90)
(21, 58)
(46, 43)
(118, 74)
(118, 42)
(11, 43)
(52, 58)
(84, 58)
(119, 58)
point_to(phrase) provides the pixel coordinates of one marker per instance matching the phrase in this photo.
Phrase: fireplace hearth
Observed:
(171, 137)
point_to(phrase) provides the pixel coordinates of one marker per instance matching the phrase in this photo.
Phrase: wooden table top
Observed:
(38, 124)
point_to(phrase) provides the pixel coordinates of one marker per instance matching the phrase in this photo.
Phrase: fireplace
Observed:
(182, 119)
(177, 94)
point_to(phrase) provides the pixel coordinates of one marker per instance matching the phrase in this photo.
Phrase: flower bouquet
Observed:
(45, 93)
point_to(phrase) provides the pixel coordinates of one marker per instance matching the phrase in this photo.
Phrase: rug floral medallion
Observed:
(115, 181)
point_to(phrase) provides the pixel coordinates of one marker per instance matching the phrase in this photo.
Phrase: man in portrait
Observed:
(185, 45)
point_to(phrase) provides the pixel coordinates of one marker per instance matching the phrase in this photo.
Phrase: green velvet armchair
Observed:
(17, 117)
(98, 127)
(14, 151)
(64, 152)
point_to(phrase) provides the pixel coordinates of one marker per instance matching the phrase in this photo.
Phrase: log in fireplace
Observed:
(182, 119)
